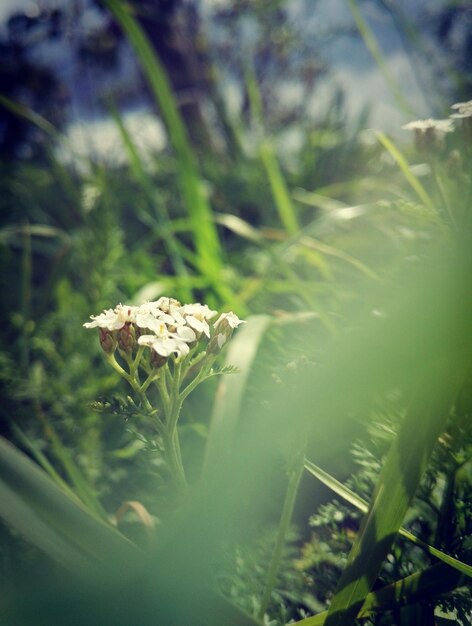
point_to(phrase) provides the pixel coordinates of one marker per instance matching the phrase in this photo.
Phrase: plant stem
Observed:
(132, 380)
(172, 454)
(294, 475)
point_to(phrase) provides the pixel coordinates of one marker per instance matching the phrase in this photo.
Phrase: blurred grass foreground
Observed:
(293, 443)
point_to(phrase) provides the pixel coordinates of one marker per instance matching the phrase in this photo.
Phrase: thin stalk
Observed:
(197, 380)
(161, 384)
(173, 457)
(178, 454)
(26, 272)
(150, 379)
(372, 45)
(443, 195)
(135, 363)
(444, 518)
(131, 381)
(295, 474)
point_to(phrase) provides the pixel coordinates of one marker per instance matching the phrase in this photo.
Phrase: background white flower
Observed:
(444, 126)
(464, 109)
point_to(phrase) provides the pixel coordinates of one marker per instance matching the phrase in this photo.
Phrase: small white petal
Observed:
(200, 311)
(186, 334)
(198, 325)
(165, 317)
(147, 340)
(182, 348)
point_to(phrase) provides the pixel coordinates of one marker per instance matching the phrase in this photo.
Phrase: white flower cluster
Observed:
(166, 326)
(464, 109)
(444, 126)
(426, 129)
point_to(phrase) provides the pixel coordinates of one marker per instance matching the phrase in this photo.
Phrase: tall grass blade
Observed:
(326, 249)
(351, 497)
(43, 461)
(424, 585)
(204, 229)
(405, 168)
(42, 512)
(25, 112)
(82, 487)
(374, 48)
(280, 193)
(231, 391)
(162, 217)
(398, 481)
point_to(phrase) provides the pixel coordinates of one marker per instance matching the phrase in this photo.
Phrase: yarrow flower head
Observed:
(444, 126)
(464, 110)
(429, 133)
(164, 347)
(165, 326)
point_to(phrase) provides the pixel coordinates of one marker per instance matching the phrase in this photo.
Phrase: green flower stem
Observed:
(168, 384)
(174, 460)
(202, 374)
(150, 379)
(171, 404)
(174, 408)
(116, 366)
(135, 364)
(178, 454)
(161, 384)
(294, 475)
(132, 380)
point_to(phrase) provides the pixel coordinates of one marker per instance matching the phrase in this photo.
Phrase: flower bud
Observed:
(216, 343)
(107, 340)
(127, 337)
(157, 360)
(223, 328)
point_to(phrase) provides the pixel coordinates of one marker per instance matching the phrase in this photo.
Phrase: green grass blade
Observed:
(16, 513)
(33, 504)
(405, 168)
(398, 481)
(374, 48)
(325, 249)
(434, 581)
(280, 193)
(25, 112)
(230, 393)
(162, 218)
(81, 485)
(351, 497)
(204, 230)
(42, 460)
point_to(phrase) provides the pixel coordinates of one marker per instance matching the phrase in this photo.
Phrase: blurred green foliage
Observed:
(363, 311)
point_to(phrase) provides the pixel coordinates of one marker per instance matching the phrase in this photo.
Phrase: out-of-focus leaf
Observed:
(436, 580)
(324, 248)
(47, 517)
(405, 168)
(206, 237)
(230, 393)
(363, 506)
(398, 481)
(374, 48)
